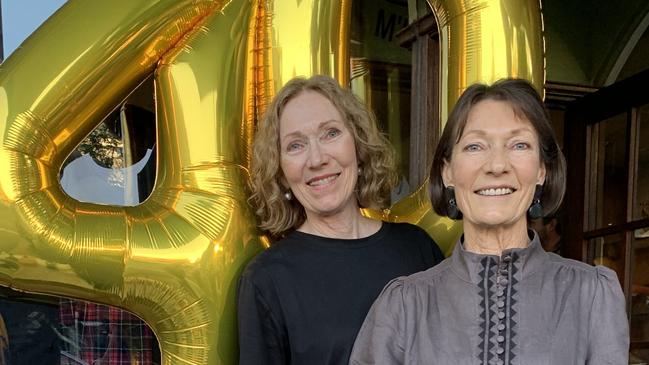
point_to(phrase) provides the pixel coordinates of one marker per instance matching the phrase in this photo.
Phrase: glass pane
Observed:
(609, 156)
(381, 72)
(50, 330)
(116, 163)
(557, 116)
(641, 201)
(639, 324)
(609, 251)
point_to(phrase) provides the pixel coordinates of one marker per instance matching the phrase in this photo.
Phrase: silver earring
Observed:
(360, 171)
(288, 195)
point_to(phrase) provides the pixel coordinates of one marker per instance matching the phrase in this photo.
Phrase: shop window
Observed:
(394, 60)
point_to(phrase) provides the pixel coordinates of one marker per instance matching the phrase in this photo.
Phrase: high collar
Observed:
(468, 265)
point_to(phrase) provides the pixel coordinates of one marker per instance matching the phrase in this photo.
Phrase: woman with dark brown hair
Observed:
(500, 298)
(318, 157)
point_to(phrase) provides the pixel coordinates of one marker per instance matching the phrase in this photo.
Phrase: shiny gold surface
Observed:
(308, 37)
(485, 40)
(174, 259)
(417, 209)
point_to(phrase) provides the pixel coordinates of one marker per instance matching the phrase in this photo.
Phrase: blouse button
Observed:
(504, 272)
(500, 292)
(504, 281)
(500, 338)
(501, 304)
(501, 327)
(500, 362)
(499, 350)
(501, 315)
(507, 258)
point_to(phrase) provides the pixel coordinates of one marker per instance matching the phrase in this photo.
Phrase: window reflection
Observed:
(116, 163)
(96, 333)
(381, 73)
(609, 251)
(608, 204)
(641, 198)
(639, 316)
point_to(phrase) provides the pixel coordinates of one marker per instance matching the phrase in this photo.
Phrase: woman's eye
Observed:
(473, 147)
(293, 146)
(332, 133)
(521, 146)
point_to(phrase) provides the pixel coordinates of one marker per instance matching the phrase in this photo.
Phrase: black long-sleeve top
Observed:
(303, 300)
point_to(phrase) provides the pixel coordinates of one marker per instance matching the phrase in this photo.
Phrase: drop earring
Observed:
(535, 211)
(288, 195)
(452, 211)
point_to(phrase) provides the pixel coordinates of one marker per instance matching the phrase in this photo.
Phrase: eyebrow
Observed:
(320, 126)
(514, 132)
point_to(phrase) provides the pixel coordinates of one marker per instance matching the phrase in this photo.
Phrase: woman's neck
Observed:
(494, 240)
(347, 224)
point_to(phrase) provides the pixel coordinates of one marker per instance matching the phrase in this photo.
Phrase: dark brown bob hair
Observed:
(527, 105)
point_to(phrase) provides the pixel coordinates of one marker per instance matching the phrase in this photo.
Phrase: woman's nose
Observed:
(317, 155)
(498, 162)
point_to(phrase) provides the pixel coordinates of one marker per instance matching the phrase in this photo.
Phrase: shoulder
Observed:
(407, 233)
(405, 228)
(429, 277)
(277, 255)
(570, 264)
(596, 275)
(410, 235)
(404, 289)
(422, 280)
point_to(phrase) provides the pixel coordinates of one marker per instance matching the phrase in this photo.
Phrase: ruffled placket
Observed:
(497, 280)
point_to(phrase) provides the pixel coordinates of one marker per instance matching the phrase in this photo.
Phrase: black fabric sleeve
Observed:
(262, 340)
(438, 255)
(437, 252)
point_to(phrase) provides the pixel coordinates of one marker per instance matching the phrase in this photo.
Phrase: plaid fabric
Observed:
(99, 334)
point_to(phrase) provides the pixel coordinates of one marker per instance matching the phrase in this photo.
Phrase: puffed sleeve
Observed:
(262, 340)
(609, 326)
(380, 339)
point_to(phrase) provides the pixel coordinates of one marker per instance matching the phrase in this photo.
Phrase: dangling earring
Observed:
(535, 211)
(288, 195)
(452, 212)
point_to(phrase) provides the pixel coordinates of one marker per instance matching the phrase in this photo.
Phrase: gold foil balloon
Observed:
(486, 40)
(174, 260)
(417, 209)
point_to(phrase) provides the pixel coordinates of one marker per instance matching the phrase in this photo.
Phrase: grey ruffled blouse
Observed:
(524, 307)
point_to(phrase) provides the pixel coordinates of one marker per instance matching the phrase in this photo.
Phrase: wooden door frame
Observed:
(582, 115)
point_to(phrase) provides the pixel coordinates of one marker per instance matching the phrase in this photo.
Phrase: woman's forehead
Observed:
(495, 116)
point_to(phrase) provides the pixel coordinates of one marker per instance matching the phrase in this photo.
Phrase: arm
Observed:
(609, 327)
(381, 338)
(262, 339)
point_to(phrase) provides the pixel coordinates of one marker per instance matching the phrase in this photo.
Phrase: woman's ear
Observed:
(447, 176)
(283, 183)
(541, 174)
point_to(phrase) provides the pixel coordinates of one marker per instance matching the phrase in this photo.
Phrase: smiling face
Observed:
(318, 155)
(495, 166)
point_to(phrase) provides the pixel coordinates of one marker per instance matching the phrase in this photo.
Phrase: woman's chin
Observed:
(495, 220)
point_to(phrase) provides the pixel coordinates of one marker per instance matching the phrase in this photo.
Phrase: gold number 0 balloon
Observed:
(174, 259)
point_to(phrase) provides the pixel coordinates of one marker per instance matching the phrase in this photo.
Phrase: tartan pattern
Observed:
(99, 334)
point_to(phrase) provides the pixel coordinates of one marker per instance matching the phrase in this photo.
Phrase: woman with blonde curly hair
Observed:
(318, 157)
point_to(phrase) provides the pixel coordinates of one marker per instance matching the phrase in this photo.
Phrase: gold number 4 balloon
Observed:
(174, 260)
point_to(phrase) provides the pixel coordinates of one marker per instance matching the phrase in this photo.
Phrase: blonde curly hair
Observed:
(373, 151)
